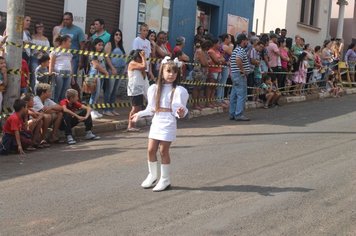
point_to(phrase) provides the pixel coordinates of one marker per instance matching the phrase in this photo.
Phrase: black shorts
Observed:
(263, 97)
(137, 101)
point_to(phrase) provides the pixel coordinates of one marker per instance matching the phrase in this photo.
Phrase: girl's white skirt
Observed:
(163, 127)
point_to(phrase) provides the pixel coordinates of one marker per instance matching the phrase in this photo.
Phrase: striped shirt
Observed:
(239, 52)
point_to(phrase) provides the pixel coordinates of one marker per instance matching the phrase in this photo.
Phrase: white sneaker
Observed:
(90, 136)
(93, 115)
(98, 114)
(70, 140)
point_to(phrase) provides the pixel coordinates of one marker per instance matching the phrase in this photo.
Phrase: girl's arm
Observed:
(179, 103)
(151, 103)
(202, 59)
(108, 50)
(133, 65)
(227, 49)
(4, 75)
(98, 67)
(52, 62)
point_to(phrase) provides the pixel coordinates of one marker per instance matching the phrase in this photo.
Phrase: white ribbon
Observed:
(175, 61)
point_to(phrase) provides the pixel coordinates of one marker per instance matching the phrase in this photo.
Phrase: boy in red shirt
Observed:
(14, 137)
(75, 112)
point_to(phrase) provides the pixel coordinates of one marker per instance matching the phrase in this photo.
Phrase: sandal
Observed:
(133, 130)
(45, 144)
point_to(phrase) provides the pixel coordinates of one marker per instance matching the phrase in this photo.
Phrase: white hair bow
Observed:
(175, 61)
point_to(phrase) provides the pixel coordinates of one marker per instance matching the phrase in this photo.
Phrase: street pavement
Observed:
(290, 171)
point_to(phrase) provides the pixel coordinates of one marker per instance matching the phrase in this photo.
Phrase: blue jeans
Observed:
(75, 64)
(111, 88)
(238, 95)
(62, 84)
(96, 94)
(220, 93)
(34, 65)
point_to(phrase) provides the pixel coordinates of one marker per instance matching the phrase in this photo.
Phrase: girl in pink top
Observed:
(300, 76)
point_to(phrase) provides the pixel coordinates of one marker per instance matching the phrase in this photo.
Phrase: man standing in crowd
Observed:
(100, 31)
(240, 68)
(26, 54)
(142, 43)
(200, 35)
(283, 33)
(273, 55)
(78, 38)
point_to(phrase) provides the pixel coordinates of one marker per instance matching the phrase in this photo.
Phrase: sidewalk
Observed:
(109, 124)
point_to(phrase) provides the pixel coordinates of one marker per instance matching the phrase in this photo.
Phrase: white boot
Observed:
(152, 175)
(165, 181)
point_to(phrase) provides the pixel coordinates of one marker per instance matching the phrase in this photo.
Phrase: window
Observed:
(309, 12)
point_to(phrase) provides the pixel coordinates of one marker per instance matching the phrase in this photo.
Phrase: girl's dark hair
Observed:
(317, 49)
(326, 42)
(280, 41)
(351, 46)
(113, 43)
(265, 38)
(233, 41)
(151, 32)
(134, 55)
(301, 59)
(206, 45)
(289, 43)
(43, 58)
(224, 37)
(265, 77)
(172, 66)
(62, 38)
(95, 42)
(306, 46)
(215, 41)
(37, 23)
(27, 97)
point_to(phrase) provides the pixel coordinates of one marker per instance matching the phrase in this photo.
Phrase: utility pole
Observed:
(264, 17)
(14, 29)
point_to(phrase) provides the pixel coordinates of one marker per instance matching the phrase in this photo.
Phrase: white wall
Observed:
(275, 16)
(128, 22)
(3, 5)
(79, 10)
(312, 36)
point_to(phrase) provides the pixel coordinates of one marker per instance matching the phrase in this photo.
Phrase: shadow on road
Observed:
(262, 190)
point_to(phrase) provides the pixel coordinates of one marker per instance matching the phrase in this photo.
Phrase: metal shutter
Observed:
(50, 12)
(108, 10)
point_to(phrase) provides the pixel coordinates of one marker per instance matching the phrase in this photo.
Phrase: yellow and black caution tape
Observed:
(92, 53)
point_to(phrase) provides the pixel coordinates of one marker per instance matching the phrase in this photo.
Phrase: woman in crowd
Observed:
(284, 60)
(61, 65)
(226, 50)
(137, 85)
(327, 57)
(311, 61)
(301, 74)
(215, 70)
(350, 59)
(38, 39)
(116, 66)
(161, 46)
(200, 70)
(98, 72)
(56, 32)
(152, 37)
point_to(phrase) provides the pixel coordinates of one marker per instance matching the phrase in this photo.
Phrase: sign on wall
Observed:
(237, 24)
(155, 13)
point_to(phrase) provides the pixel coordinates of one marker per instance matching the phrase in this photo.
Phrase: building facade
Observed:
(178, 17)
(349, 30)
(307, 18)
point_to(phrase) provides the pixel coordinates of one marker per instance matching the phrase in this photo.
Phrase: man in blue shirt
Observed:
(100, 31)
(78, 38)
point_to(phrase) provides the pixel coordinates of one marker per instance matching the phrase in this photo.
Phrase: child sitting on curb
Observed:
(268, 95)
(75, 112)
(14, 137)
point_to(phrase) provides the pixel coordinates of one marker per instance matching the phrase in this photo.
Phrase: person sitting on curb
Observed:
(75, 112)
(14, 137)
(267, 94)
(53, 113)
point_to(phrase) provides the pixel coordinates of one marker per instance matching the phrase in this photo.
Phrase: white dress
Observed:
(164, 124)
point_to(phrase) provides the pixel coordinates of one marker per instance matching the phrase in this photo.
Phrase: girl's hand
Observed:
(20, 150)
(113, 71)
(134, 117)
(181, 112)
(142, 54)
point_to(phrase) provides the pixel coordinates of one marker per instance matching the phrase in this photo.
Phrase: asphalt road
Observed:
(291, 171)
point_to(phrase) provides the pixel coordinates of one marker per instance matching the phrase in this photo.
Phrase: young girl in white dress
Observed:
(166, 102)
